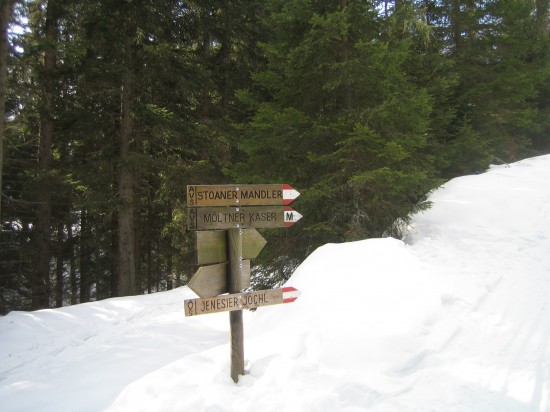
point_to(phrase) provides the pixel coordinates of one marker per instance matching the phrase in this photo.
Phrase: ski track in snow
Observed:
(499, 351)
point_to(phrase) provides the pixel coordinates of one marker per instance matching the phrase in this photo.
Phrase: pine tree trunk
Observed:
(149, 253)
(158, 271)
(139, 289)
(345, 56)
(72, 261)
(114, 253)
(59, 267)
(41, 272)
(541, 16)
(84, 260)
(456, 25)
(126, 263)
(5, 9)
(169, 281)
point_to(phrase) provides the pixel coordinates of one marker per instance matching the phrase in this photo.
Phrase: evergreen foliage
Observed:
(364, 107)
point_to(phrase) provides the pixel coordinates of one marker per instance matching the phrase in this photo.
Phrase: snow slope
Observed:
(456, 318)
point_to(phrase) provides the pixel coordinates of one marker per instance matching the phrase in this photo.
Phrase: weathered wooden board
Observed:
(240, 301)
(211, 245)
(206, 218)
(236, 285)
(236, 332)
(236, 277)
(212, 280)
(240, 195)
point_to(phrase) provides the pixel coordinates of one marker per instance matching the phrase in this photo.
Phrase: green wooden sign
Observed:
(211, 245)
(212, 280)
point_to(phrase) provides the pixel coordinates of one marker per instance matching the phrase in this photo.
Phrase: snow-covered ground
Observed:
(456, 318)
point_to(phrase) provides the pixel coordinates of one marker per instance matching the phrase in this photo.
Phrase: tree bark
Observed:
(72, 261)
(149, 252)
(84, 258)
(59, 267)
(456, 25)
(169, 280)
(126, 266)
(41, 272)
(114, 253)
(541, 16)
(5, 9)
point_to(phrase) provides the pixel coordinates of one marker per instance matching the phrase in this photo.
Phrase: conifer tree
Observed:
(343, 121)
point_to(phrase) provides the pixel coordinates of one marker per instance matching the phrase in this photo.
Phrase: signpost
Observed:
(241, 217)
(240, 195)
(239, 301)
(225, 218)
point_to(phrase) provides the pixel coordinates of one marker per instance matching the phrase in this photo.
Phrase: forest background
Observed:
(112, 107)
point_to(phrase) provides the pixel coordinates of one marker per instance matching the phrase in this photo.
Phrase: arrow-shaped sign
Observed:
(240, 301)
(291, 216)
(240, 195)
(211, 245)
(204, 218)
(209, 281)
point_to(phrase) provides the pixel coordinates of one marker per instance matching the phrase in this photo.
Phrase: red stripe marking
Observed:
(289, 289)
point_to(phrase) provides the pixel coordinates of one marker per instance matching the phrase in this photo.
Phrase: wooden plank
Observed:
(236, 332)
(240, 195)
(211, 245)
(235, 241)
(253, 243)
(240, 301)
(205, 218)
(209, 281)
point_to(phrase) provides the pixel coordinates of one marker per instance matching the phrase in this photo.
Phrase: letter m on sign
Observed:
(291, 216)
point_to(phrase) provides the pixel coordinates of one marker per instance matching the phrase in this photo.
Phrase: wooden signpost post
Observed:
(225, 218)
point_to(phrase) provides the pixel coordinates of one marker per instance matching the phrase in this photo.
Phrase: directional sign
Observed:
(211, 280)
(225, 218)
(240, 195)
(211, 245)
(204, 218)
(239, 301)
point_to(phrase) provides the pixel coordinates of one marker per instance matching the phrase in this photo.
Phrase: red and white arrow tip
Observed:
(291, 216)
(289, 194)
(290, 294)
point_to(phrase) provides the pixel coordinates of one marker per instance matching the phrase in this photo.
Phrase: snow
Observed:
(455, 318)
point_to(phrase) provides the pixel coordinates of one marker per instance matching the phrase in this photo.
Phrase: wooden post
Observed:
(236, 284)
